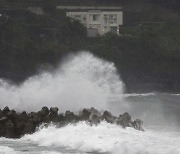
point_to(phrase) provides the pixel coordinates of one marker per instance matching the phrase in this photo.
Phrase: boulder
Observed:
(54, 110)
(19, 120)
(24, 114)
(94, 119)
(61, 118)
(70, 116)
(14, 125)
(12, 115)
(2, 129)
(124, 120)
(53, 114)
(9, 129)
(29, 128)
(94, 111)
(108, 117)
(137, 124)
(46, 119)
(19, 128)
(1, 113)
(5, 110)
(44, 111)
(84, 115)
(35, 118)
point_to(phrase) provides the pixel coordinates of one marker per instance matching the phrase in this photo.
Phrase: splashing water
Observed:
(85, 81)
(81, 81)
(106, 138)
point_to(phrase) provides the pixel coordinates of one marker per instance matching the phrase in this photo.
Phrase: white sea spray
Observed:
(106, 138)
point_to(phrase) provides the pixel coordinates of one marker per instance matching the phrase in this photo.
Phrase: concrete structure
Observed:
(36, 10)
(97, 20)
(89, 7)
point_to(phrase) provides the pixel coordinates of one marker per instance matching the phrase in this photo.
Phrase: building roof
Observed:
(89, 7)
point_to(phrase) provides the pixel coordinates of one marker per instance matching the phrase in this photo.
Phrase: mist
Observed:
(80, 81)
(83, 81)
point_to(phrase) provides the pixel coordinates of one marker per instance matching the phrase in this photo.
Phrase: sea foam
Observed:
(6, 150)
(106, 138)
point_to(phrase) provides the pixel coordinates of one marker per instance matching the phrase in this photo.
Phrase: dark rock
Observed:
(2, 129)
(24, 114)
(19, 128)
(22, 117)
(44, 111)
(94, 119)
(5, 110)
(11, 114)
(29, 128)
(127, 117)
(9, 129)
(124, 120)
(108, 117)
(53, 114)
(19, 120)
(15, 125)
(137, 124)
(84, 114)
(46, 119)
(61, 118)
(54, 110)
(94, 111)
(35, 118)
(70, 116)
(1, 113)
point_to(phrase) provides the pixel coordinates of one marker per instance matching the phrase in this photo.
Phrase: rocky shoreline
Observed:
(15, 125)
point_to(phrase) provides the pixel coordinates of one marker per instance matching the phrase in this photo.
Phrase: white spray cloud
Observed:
(83, 80)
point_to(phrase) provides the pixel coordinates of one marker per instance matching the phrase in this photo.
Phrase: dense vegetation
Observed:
(147, 51)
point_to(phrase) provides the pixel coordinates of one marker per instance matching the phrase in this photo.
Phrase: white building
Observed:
(97, 20)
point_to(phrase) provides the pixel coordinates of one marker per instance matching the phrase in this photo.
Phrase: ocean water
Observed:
(84, 80)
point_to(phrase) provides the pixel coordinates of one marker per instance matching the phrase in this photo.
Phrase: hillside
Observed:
(146, 54)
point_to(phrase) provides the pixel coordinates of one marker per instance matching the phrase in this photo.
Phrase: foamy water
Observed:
(107, 138)
(84, 80)
(8, 150)
(83, 138)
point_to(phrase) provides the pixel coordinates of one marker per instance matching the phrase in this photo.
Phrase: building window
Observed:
(95, 17)
(115, 18)
(106, 18)
(112, 18)
(77, 16)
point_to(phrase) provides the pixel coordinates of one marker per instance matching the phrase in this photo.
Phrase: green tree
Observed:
(49, 6)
